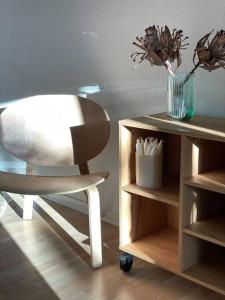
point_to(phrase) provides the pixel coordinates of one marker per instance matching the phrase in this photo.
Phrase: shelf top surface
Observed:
(198, 126)
(169, 193)
(211, 180)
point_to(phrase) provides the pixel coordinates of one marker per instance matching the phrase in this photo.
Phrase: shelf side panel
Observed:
(126, 175)
(188, 249)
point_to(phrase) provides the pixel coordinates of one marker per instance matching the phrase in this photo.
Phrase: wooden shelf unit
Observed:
(176, 226)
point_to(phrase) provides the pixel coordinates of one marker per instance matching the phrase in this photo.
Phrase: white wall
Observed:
(55, 46)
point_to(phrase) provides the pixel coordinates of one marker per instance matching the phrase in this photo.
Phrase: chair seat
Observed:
(44, 185)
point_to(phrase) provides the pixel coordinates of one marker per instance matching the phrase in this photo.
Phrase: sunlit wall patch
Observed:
(91, 34)
(7, 103)
(89, 89)
(82, 95)
(16, 166)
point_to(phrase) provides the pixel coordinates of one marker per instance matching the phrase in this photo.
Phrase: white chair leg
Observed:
(28, 206)
(95, 226)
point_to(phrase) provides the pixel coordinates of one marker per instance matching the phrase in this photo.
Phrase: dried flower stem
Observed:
(191, 73)
(169, 68)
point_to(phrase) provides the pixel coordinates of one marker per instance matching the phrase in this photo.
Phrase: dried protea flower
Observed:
(211, 55)
(160, 47)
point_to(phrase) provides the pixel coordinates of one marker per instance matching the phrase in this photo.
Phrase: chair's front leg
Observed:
(95, 226)
(28, 206)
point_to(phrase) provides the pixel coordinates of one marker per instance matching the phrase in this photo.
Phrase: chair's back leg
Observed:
(28, 206)
(95, 226)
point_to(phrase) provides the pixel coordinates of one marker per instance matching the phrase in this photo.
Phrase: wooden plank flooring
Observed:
(38, 260)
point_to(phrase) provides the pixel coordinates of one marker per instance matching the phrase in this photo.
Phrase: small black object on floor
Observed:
(126, 261)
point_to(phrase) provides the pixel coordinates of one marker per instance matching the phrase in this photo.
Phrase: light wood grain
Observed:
(211, 229)
(199, 126)
(189, 166)
(126, 175)
(198, 204)
(130, 207)
(194, 152)
(39, 261)
(169, 193)
(212, 180)
(54, 129)
(160, 248)
(44, 185)
(145, 216)
(209, 273)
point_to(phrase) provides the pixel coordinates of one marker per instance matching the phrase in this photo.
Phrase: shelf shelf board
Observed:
(198, 126)
(211, 180)
(210, 273)
(169, 193)
(159, 248)
(211, 229)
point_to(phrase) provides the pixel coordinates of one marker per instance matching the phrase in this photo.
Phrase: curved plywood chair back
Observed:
(54, 129)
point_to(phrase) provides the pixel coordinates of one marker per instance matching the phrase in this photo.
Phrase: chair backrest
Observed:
(54, 129)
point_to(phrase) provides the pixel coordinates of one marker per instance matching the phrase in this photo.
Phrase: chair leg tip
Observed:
(96, 265)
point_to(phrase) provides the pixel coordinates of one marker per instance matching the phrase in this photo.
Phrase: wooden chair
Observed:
(57, 130)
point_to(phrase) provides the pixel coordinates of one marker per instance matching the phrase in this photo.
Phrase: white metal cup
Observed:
(149, 171)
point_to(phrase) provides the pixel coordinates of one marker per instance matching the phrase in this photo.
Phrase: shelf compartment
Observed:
(211, 229)
(203, 236)
(202, 212)
(149, 230)
(211, 180)
(169, 193)
(209, 273)
(159, 248)
(171, 153)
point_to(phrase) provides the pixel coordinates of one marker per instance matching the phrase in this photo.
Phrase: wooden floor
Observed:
(38, 260)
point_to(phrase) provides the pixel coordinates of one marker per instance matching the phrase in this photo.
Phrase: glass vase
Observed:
(180, 91)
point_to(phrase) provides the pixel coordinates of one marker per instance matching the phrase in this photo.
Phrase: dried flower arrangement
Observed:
(161, 47)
